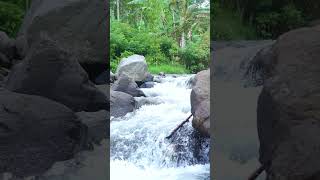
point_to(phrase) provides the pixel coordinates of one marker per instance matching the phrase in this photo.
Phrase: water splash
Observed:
(138, 144)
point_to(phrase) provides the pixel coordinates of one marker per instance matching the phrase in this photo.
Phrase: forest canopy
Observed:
(173, 35)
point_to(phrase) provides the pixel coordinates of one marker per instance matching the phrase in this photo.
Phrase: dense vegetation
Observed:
(11, 15)
(173, 35)
(260, 19)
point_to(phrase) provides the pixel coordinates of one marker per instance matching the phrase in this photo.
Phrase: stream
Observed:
(138, 148)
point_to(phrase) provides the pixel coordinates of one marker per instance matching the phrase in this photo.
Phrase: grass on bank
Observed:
(168, 69)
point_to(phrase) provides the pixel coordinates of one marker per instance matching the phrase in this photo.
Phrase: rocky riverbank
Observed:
(51, 110)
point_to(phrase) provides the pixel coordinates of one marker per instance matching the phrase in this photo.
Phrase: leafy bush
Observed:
(11, 16)
(196, 57)
(273, 24)
(125, 41)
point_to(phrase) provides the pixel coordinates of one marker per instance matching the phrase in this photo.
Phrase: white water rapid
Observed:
(138, 148)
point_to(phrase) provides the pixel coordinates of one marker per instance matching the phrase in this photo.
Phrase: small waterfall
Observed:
(138, 146)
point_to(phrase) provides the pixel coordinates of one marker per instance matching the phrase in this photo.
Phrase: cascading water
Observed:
(139, 149)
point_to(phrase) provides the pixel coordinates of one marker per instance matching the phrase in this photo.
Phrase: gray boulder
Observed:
(200, 103)
(51, 72)
(127, 85)
(97, 123)
(148, 85)
(36, 132)
(113, 77)
(134, 66)
(7, 46)
(121, 103)
(149, 78)
(289, 106)
(103, 78)
(80, 27)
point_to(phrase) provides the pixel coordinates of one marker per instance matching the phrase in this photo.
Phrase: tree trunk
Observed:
(118, 10)
(183, 40)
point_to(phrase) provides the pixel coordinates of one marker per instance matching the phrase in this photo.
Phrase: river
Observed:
(138, 146)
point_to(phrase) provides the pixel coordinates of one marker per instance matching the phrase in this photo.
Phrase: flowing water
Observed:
(139, 149)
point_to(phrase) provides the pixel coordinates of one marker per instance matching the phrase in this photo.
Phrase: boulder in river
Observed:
(51, 72)
(36, 132)
(289, 108)
(148, 85)
(134, 66)
(200, 102)
(127, 85)
(80, 27)
(121, 103)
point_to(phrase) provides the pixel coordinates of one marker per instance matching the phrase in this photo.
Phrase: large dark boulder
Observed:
(103, 78)
(50, 71)
(127, 85)
(36, 132)
(289, 108)
(7, 46)
(79, 26)
(121, 103)
(97, 123)
(200, 103)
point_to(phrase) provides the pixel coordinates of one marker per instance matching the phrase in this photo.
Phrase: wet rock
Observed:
(289, 106)
(97, 123)
(51, 72)
(147, 85)
(113, 77)
(200, 103)
(36, 132)
(120, 103)
(127, 85)
(162, 74)
(140, 101)
(80, 27)
(149, 78)
(103, 78)
(105, 89)
(134, 66)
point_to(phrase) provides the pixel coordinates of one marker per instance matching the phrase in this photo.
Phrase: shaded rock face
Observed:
(80, 27)
(126, 85)
(134, 66)
(120, 103)
(103, 78)
(98, 127)
(51, 72)
(289, 106)
(234, 61)
(200, 103)
(7, 46)
(36, 132)
(147, 85)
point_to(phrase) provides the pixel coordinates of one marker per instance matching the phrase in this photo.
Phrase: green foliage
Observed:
(196, 56)
(11, 15)
(157, 30)
(272, 24)
(227, 25)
